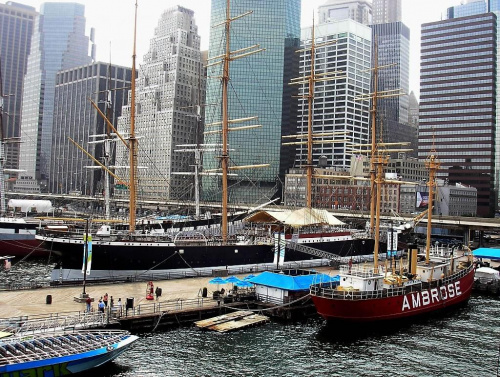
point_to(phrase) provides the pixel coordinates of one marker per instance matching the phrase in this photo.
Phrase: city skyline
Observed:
(114, 41)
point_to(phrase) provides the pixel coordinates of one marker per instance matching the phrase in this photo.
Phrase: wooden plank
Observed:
(248, 321)
(222, 318)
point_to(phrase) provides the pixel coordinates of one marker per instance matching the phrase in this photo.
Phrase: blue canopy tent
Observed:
(289, 282)
(243, 284)
(217, 280)
(483, 252)
(232, 279)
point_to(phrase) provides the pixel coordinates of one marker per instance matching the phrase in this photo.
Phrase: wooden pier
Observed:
(232, 321)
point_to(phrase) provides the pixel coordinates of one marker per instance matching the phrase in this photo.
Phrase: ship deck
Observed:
(51, 345)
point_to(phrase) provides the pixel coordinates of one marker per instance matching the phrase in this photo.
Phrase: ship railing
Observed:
(359, 271)
(328, 290)
(361, 234)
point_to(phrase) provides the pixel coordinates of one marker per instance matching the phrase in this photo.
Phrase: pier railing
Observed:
(165, 307)
(85, 320)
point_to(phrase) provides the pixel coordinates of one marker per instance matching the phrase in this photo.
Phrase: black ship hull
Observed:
(141, 260)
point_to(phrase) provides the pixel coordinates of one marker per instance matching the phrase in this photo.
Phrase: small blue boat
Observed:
(60, 354)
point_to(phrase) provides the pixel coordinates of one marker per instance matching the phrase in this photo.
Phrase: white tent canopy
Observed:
(298, 218)
(27, 205)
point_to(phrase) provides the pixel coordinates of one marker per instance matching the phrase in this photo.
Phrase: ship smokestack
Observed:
(412, 258)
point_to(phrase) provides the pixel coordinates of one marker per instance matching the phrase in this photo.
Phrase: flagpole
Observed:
(85, 256)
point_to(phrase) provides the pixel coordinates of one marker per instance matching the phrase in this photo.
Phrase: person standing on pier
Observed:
(101, 306)
(119, 307)
(88, 301)
(158, 293)
(105, 299)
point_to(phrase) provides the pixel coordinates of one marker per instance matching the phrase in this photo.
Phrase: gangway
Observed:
(293, 245)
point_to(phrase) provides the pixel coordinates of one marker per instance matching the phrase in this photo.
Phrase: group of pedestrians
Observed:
(102, 305)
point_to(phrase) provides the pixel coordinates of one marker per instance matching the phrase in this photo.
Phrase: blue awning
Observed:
(291, 283)
(485, 252)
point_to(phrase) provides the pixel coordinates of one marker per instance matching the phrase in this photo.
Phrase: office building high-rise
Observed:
(393, 55)
(337, 10)
(16, 29)
(75, 117)
(458, 102)
(58, 43)
(335, 106)
(169, 93)
(258, 87)
(386, 11)
(470, 8)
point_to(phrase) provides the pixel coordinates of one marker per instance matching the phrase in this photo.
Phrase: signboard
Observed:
(422, 199)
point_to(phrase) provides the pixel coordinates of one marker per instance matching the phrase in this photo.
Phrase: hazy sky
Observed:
(114, 21)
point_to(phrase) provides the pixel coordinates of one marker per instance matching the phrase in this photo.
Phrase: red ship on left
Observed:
(17, 237)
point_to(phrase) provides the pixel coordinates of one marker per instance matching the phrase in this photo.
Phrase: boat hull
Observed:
(69, 364)
(17, 238)
(22, 245)
(409, 304)
(112, 259)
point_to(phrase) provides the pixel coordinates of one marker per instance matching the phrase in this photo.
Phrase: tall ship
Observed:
(429, 282)
(151, 247)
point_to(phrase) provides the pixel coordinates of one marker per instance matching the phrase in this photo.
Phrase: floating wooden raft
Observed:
(232, 321)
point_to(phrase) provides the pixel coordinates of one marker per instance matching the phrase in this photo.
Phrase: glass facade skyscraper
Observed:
(58, 43)
(458, 79)
(469, 9)
(258, 87)
(393, 55)
(16, 29)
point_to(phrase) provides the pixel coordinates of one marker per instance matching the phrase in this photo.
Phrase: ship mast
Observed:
(225, 125)
(311, 81)
(227, 57)
(373, 173)
(433, 165)
(132, 138)
(310, 102)
(3, 208)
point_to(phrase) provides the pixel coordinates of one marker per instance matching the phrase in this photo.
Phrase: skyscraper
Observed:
(470, 8)
(335, 106)
(258, 87)
(386, 11)
(75, 117)
(169, 93)
(58, 43)
(337, 10)
(393, 54)
(16, 29)
(458, 79)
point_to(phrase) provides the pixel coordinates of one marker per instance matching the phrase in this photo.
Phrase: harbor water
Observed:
(464, 341)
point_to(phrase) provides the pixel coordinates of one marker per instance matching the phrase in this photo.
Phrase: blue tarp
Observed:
(484, 252)
(291, 283)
